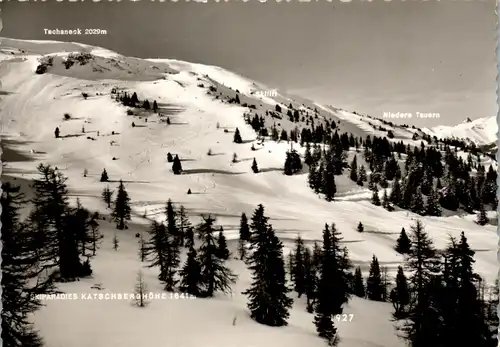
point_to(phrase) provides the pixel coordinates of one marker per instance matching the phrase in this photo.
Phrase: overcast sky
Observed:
(401, 56)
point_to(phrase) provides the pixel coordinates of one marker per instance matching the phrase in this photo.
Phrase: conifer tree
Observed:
(400, 296)
(375, 197)
(417, 202)
(222, 251)
(140, 292)
(385, 201)
(325, 305)
(244, 228)
(116, 242)
(395, 196)
(268, 300)
(215, 276)
(104, 176)
(299, 267)
(403, 243)
(176, 165)
(190, 273)
(422, 262)
(433, 208)
(482, 218)
(156, 248)
(19, 268)
(354, 170)
(121, 212)
(52, 224)
(374, 287)
(310, 281)
(293, 164)
(359, 286)
(360, 227)
(183, 226)
(255, 168)
(107, 196)
(329, 188)
(173, 230)
(155, 106)
(361, 175)
(142, 249)
(237, 136)
(169, 157)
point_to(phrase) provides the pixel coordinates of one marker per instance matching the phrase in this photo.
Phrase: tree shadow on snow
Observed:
(269, 169)
(70, 135)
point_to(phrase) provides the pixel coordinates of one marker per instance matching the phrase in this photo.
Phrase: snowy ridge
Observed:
(33, 105)
(481, 131)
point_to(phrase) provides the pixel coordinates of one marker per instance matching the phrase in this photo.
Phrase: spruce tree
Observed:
(157, 247)
(310, 281)
(400, 296)
(354, 170)
(176, 165)
(121, 212)
(417, 202)
(422, 323)
(268, 300)
(375, 198)
(326, 304)
(20, 266)
(190, 273)
(104, 176)
(482, 218)
(329, 188)
(173, 230)
(237, 136)
(116, 242)
(299, 267)
(215, 276)
(433, 208)
(358, 286)
(395, 196)
(183, 226)
(52, 224)
(385, 201)
(140, 291)
(222, 251)
(360, 227)
(142, 249)
(374, 287)
(244, 228)
(255, 167)
(107, 196)
(403, 243)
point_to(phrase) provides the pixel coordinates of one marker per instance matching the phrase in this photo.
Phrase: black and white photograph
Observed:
(249, 173)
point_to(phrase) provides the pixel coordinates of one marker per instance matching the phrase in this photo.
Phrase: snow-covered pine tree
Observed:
(374, 287)
(255, 167)
(360, 227)
(222, 250)
(325, 305)
(237, 136)
(107, 196)
(268, 300)
(20, 262)
(375, 198)
(359, 286)
(121, 212)
(176, 165)
(403, 243)
(433, 207)
(190, 273)
(140, 292)
(116, 242)
(299, 267)
(104, 176)
(400, 296)
(482, 218)
(354, 170)
(215, 275)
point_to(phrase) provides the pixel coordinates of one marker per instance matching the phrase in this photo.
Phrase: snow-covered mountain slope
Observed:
(481, 131)
(32, 106)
